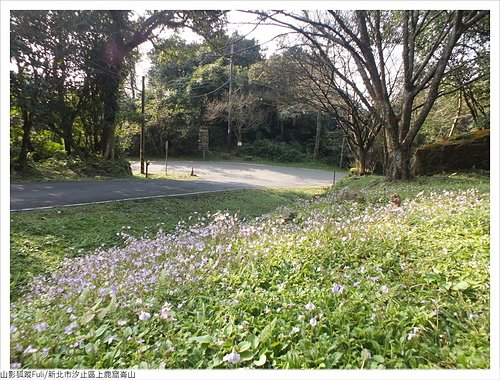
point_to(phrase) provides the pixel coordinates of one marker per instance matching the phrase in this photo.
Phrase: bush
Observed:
(72, 169)
(276, 151)
(45, 147)
(99, 167)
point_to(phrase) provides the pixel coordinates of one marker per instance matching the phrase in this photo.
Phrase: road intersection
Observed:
(210, 177)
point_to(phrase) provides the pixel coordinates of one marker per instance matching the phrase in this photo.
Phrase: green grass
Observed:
(41, 239)
(342, 280)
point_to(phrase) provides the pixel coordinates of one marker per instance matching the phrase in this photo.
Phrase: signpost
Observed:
(203, 140)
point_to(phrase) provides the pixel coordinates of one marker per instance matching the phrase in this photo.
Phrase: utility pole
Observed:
(141, 139)
(229, 106)
(342, 153)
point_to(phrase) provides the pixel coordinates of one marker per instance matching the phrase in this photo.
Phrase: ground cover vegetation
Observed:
(41, 239)
(343, 280)
(354, 88)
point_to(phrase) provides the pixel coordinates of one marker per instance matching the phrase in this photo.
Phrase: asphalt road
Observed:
(210, 177)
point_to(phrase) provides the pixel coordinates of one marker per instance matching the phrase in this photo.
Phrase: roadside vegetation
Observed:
(341, 280)
(72, 169)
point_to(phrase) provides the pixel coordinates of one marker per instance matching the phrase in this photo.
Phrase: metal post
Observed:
(166, 156)
(229, 106)
(141, 140)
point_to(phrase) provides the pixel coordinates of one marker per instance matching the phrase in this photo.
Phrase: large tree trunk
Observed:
(23, 154)
(110, 92)
(67, 128)
(362, 157)
(399, 163)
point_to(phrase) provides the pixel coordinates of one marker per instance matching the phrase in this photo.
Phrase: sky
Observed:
(238, 21)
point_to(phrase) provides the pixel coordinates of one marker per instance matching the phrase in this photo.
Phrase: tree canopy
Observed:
(384, 81)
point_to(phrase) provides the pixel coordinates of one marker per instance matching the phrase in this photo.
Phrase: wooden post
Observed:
(166, 156)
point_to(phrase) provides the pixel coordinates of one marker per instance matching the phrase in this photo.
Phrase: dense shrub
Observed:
(72, 169)
(274, 150)
(99, 167)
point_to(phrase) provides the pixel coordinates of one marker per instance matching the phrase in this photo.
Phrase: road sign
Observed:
(203, 139)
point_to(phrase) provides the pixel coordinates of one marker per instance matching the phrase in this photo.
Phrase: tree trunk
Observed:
(110, 93)
(457, 116)
(362, 155)
(399, 163)
(68, 136)
(238, 139)
(23, 154)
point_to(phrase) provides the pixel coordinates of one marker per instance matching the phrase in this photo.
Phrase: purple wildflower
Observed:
(337, 288)
(40, 327)
(70, 328)
(30, 350)
(310, 306)
(232, 358)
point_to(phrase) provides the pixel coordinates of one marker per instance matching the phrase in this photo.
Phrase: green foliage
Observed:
(53, 169)
(338, 284)
(39, 240)
(276, 151)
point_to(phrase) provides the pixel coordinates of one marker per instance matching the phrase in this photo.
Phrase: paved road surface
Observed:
(211, 177)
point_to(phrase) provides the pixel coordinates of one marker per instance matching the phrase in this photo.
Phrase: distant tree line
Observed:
(375, 82)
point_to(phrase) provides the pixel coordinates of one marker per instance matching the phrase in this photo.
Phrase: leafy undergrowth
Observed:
(73, 169)
(343, 281)
(40, 240)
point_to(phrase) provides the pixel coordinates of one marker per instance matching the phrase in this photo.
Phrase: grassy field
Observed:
(344, 280)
